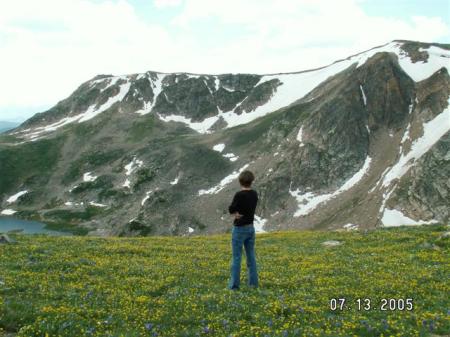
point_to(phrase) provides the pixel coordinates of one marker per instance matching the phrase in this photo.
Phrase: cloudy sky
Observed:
(49, 47)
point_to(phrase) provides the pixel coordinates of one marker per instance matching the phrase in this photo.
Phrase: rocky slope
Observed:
(361, 142)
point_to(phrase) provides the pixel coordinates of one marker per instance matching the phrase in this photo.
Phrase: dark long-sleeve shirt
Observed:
(244, 202)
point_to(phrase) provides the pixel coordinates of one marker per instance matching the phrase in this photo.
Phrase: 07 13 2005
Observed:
(366, 304)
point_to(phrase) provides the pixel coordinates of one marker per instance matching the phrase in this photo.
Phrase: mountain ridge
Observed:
(441, 45)
(144, 154)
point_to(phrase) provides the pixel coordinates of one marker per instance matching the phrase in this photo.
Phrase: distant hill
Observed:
(5, 126)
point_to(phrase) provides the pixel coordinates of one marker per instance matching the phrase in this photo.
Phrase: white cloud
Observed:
(167, 3)
(41, 65)
(49, 47)
(302, 23)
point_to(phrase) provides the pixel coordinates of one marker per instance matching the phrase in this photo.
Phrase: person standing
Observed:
(243, 208)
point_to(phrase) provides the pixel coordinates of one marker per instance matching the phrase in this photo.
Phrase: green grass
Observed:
(176, 286)
(16, 161)
(142, 128)
(90, 160)
(67, 220)
(66, 227)
(7, 138)
(61, 226)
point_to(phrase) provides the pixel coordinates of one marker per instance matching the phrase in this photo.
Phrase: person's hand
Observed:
(237, 215)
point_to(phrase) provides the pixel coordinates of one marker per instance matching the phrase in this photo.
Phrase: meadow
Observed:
(176, 286)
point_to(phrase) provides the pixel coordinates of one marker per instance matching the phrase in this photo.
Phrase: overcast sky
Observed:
(49, 47)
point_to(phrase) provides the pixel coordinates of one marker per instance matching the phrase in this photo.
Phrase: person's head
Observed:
(246, 178)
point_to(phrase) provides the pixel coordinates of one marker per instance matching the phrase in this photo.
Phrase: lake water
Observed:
(29, 227)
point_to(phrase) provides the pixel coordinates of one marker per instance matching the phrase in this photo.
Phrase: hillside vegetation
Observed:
(176, 286)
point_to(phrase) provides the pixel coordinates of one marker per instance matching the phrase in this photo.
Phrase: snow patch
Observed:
(308, 201)
(228, 89)
(259, 223)
(175, 181)
(219, 147)
(363, 95)
(207, 86)
(127, 183)
(380, 179)
(432, 132)
(133, 165)
(147, 196)
(231, 156)
(200, 127)
(52, 127)
(112, 81)
(405, 137)
(300, 136)
(437, 58)
(350, 227)
(393, 218)
(89, 177)
(71, 203)
(145, 109)
(167, 98)
(386, 196)
(192, 75)
(96, 204)
(90, 113)
(217, 83)
(16, 196)
(8, 211)
(74, 187)
(157, 88)
(225, 181)
(93, 111)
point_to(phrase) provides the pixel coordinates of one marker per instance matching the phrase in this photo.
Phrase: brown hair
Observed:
(246, 178)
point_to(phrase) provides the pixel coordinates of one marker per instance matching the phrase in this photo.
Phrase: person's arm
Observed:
(234, 204)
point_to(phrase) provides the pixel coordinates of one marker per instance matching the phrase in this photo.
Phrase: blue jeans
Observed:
(243, 236)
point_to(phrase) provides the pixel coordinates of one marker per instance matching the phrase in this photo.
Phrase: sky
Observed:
(49, 47)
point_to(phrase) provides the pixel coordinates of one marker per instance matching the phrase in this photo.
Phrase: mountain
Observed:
(5, 126)
(361, 142)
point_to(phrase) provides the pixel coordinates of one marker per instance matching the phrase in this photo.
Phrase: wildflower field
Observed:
(176, 286)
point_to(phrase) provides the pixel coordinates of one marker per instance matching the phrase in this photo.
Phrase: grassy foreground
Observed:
(172, 286)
